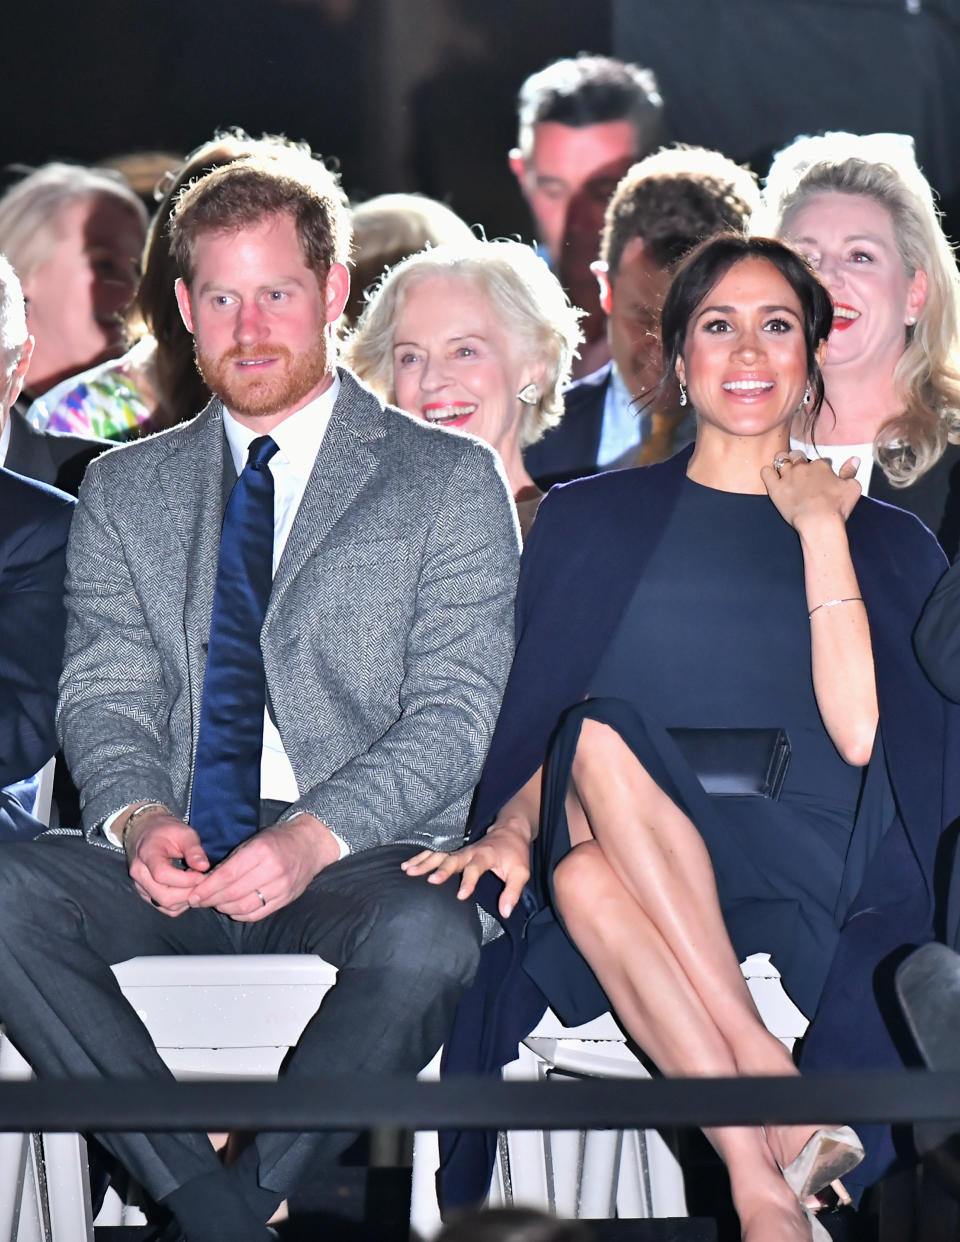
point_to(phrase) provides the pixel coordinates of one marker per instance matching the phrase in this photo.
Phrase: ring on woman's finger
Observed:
(780, 460)
(263, 900)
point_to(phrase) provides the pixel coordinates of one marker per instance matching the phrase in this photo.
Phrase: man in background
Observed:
(621, 415)
(582, 122)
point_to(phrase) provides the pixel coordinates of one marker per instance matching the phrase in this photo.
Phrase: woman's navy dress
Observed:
(725, 601)
(717, 635)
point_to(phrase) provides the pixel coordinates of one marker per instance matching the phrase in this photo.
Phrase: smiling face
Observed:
(849, 240)
(456, 365)
(77, 295)
(744, 358)
(260, 320)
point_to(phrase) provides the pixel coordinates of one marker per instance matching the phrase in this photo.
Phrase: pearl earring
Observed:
(911, 320)
(683, 393)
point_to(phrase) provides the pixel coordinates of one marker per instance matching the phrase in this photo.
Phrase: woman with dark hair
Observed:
(701, 773)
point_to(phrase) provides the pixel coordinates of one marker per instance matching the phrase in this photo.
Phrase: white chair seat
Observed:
(223, 1016)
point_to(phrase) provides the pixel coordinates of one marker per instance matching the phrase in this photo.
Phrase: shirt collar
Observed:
(298, 437)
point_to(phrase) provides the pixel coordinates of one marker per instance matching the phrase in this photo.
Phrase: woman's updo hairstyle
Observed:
(707, 264)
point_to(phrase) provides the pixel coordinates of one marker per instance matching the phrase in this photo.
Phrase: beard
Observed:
(282, 388)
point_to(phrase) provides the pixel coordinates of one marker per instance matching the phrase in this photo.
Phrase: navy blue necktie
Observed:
(225, 803)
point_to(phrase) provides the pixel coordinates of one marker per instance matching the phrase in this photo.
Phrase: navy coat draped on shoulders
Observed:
(588, 547)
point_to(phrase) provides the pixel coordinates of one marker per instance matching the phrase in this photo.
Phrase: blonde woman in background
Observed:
(861, 211)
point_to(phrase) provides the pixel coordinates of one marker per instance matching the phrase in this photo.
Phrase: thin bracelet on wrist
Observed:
(141, 810)
(832, 603)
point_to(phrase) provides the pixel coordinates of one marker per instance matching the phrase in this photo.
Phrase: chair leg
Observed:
(425, 1222)
(565, 1150)
(33, 1223)
(598, 1180)
(68, 1188)
(16, 1172)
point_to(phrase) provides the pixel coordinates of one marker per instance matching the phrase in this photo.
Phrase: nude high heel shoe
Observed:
(827, 1155)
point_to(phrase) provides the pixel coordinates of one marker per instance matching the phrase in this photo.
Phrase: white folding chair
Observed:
(210, 1017)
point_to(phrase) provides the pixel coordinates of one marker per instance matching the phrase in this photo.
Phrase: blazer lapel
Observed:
(191, 480)
(346, 461)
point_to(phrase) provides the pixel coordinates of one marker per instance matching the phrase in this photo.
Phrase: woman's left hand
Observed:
(806, 491)
(501, 850)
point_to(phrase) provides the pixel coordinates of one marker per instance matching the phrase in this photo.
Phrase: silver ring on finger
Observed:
(263, 900)
(781, 459)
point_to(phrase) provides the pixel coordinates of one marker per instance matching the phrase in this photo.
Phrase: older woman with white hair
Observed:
(74, 237)
(478, 337)
(862, 212)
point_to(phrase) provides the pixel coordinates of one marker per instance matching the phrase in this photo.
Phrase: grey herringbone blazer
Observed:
(386, 642)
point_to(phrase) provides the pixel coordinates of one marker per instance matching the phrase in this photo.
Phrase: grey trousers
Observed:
(405, 951)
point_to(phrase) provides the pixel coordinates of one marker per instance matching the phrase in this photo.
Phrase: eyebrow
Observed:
(731, 310)
(851, 237)
(211, 286)
(464, 336)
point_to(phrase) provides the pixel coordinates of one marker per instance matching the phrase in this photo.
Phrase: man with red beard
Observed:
(338, 578)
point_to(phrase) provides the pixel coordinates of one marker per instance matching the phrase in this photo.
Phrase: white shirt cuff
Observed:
(344, 848)
(108, 828)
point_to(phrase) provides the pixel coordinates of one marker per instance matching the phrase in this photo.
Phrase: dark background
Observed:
(419, 94)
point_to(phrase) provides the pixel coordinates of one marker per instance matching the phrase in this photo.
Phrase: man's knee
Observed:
(424, 927)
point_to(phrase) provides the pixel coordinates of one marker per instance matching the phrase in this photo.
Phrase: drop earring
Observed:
(529, 395)
(807, 395)
(683, 393)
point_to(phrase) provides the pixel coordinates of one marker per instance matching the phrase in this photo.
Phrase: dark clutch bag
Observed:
(742, 763)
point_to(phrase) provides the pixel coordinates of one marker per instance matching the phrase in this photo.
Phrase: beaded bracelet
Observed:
(832, 603)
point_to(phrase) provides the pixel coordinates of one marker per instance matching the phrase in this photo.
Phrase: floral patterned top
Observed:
(112, 400)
